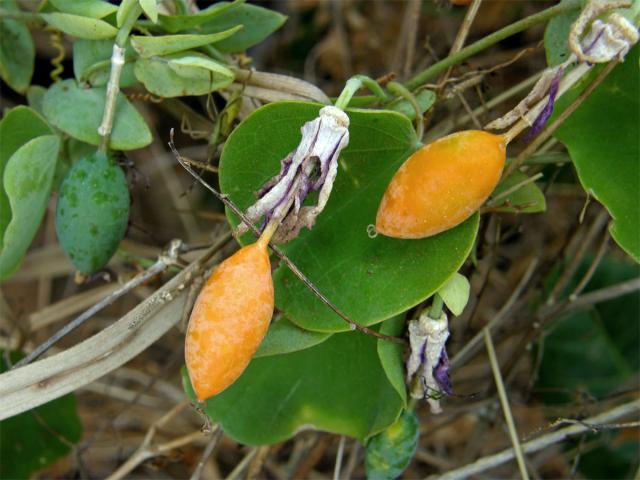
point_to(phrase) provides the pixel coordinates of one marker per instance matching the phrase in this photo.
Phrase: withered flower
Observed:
(311, 167)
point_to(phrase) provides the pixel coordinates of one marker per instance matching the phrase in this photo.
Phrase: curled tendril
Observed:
(55, 37)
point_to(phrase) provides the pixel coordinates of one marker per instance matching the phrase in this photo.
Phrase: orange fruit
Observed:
(230, 318)
(441, 185)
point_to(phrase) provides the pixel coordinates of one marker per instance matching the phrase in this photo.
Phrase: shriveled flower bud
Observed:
(311, 167)
(428, 364)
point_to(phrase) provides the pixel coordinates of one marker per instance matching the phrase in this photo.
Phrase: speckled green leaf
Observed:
(168, 77)
(370, 279)
(27, 182)
(35, 439)
(285, 337)
(78, 112)
(602, 139)
(92, 212)
(81, 27)
(258, 23)
(337, 386)
(85, 8)
(167, 44)
(528, 198)
(18, 126)
(17, 53)
(92, 62)
(389, 453)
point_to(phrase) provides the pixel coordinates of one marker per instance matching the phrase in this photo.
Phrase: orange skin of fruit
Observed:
(442, 184)
(230, 318)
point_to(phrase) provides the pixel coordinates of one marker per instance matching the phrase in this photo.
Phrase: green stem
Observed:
(127, 26)
(490, 40)
(435, 311)
(356, 83)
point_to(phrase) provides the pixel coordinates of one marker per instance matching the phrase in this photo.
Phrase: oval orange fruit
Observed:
(229, 320)
(441, 185)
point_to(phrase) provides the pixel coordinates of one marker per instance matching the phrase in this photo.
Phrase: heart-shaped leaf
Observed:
(78, 112)
(602, 139)
(338, 386)
(27, 181)
(17, 53)
(370, 279)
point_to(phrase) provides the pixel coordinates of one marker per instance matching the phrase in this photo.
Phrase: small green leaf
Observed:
(370, 279)
(602, 139)
(36, 439)
(391, 355)
(389, 453)
(17, 53)
(27, 183)
(528, 198)
(35, 97)
(18, 126)
(337, 386)
(258, 24)
(424, 98)
(167, 77)
(124, 10)
(150, 9)
(78, 112)
(167, 44)
(92, 212)
(92, 63)
(178, 23)
(81, 27)
(455, 293)
(85, 8)
(285, 337)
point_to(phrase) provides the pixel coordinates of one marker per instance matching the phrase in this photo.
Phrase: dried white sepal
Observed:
(311, 167)
(607, 40)
(427, 339)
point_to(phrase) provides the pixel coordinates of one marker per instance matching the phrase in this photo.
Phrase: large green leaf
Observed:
(17, 53)
(369, 279)
(78, 112)
(27, 182)
(258, 23)
(285, 337)
(19, 125)
(85, 8)
(81, 27)
(35, 439)
(336, 386)
(182, 74)
(166, 44)
(602, 139)
(178, 23)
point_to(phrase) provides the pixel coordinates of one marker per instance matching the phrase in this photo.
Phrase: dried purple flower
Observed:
(546, 112)
(312, 167)
(428, 363)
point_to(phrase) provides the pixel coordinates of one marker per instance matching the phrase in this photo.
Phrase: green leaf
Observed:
(594, 351)
(167, 44)
(258, 24)
(455, 293)
(168, 77)
(369, 279)
(27, 182)
(36, 439)
(17, 53)
(78, 112)
(178, 23)
(81, 27)
(556, 36)
(337, 386)
(124, 10)
(602, 139)
(92, 212)
(92, 63)
(18, 126)
(85, 8)
(391, 354)
(424, 98)
(35, 97)
(389, 453)
(528, 198)
(150, 9)
(285, 337)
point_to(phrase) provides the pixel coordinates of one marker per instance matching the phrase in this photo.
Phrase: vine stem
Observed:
(113, 87)
(490, 40)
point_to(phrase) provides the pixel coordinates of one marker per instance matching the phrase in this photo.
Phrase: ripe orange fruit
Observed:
(441, 185)
(229, 320)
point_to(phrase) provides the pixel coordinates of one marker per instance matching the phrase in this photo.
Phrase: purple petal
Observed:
(546, 112)
(441, 373)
